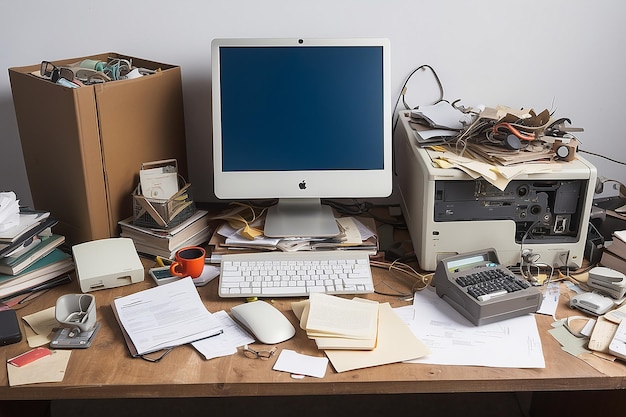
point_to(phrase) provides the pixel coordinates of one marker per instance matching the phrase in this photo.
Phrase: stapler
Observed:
(76, 314)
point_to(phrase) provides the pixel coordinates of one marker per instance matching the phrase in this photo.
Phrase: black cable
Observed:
(602, 156)
(363, 208)
(403, 91)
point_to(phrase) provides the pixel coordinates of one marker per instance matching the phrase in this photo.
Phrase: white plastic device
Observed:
(608, 281)
(592, 303)
(107, 263)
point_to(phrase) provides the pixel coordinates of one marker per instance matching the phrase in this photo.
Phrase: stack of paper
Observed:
(438, 123)
(17, 237)
(29, 256)
(9, 210)
(344, 324)
(356, 234)
(442, 115)
(338, 323)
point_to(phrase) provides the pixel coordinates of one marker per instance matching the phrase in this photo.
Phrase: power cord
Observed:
(403, 91)
(406, 273)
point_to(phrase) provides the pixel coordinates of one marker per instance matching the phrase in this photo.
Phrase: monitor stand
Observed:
(300, 217)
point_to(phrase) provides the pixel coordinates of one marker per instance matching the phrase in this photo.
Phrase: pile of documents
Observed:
(244, 231)
(438, 123)
(357, 333)
(164, 317)
(338, 323)
(29, 254)
(484, 136)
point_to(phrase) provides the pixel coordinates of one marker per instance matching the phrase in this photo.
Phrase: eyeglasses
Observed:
(261, 354)
(116, 68)
(49, 70)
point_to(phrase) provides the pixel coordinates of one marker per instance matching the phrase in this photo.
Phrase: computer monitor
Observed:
(300, 120)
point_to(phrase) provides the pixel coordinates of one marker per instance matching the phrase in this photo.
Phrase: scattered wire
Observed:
(406, 273)
(403, 91)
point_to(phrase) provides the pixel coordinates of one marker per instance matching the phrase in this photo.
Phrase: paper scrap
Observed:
(226, 343)
(9, 211)
(296, 363)
(49, 369)
(550, 300)
(40, 325)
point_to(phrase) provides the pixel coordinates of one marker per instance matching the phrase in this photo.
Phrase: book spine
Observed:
(610, 260)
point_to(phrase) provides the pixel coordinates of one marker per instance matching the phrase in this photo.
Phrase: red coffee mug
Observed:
(189, 262)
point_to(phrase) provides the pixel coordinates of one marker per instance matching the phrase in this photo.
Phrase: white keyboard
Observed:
(295, 274)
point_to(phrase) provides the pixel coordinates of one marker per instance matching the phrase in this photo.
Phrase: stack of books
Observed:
(30, 258)
(162, 242)
(614, 255)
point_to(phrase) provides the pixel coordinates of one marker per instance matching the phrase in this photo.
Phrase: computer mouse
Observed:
(266, 322)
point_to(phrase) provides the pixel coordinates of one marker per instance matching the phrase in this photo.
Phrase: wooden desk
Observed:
(106, 370)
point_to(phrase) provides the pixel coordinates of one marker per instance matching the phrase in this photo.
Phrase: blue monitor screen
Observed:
(302, 108)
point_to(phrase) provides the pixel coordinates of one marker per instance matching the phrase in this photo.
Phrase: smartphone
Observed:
(9, 327)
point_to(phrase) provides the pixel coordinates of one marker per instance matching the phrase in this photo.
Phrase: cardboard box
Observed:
(83, 147)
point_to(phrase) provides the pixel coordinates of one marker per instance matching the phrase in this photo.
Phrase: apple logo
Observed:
(302, 185)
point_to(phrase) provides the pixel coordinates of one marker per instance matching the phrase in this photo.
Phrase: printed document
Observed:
(454, 340)
(166, 316)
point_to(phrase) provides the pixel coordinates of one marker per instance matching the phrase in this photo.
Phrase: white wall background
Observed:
(563, 55)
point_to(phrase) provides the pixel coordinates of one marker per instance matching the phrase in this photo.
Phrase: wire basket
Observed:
(163, 214)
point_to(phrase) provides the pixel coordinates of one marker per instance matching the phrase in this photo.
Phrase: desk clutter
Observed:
(110, 127)
(349, 332)
(599, 332)
(91, 71)
(165, 217)
(497, 135)
(30, 258)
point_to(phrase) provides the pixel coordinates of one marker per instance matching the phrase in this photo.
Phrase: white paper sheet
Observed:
(296, 363)
(226, 343)
(454, 340)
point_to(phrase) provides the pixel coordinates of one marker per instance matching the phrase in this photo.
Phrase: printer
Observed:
(544, 211)
(107, 263)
